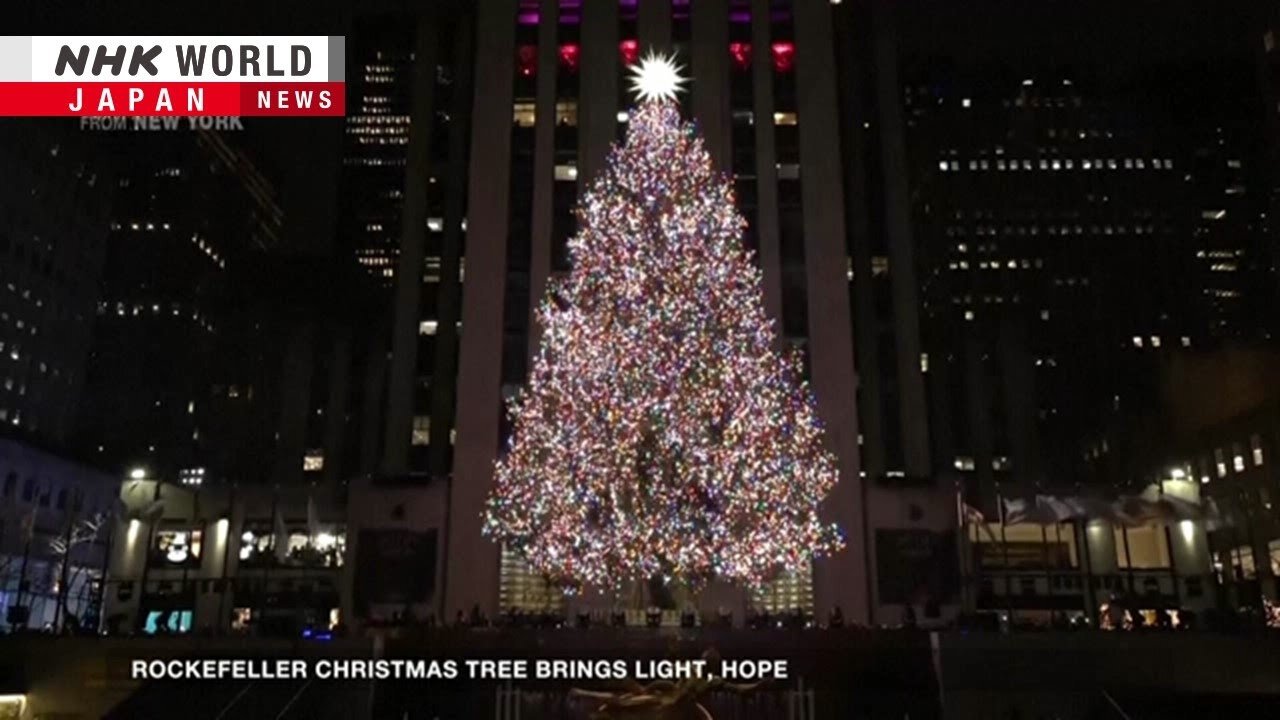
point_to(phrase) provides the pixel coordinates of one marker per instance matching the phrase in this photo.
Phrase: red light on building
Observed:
(784, 56)
(569, 55)
(630, 51)
(527, 60)
(740, 52)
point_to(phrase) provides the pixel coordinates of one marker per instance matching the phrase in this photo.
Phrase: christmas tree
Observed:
(661, 434)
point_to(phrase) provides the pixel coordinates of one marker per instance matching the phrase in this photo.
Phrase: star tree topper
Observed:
(657, 77)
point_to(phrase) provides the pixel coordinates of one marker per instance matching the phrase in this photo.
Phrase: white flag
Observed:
(313, 523)
(281, 537)
(29, 525)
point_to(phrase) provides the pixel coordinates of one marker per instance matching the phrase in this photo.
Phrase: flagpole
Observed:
(1173, 563)
(1090, 600)
(1048, 572)
(1057, 538)
(261, 598)
(226, 557)
(22, 573)
(961, 546)
(62, 573)
(186, 563)
(152, 523)
(1008, 571)
(106, 568)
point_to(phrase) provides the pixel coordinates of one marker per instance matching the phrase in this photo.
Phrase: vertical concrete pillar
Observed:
(654, 25)
(710, 62)
(473, 559)
(767, 232)
(598, 87)
(842, 579)
(444, 368)
(413, 241)
(1102, 547)
(902, 269)
(544, 152)
(866, 324)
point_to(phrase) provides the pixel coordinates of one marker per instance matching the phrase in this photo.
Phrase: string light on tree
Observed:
(660, 433)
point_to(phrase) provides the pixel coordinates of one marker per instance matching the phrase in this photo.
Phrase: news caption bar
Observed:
(172, 75)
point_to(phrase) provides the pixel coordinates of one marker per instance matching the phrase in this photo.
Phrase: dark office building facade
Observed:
(53, 220)
(189, 210)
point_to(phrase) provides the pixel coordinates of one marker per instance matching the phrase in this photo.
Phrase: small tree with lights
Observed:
(661, 434)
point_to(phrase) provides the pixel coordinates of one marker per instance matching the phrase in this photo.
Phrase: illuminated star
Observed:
(657, 77)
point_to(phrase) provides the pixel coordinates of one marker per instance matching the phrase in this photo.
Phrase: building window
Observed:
(524, 114)
(173, 622)
(1237, 457)
(567, 112)
(567, 172)
(1220, 462)
(964, 462)
(1242, 564)
(177, 547)
(1255, 445)
(784, 118)
(629, 51)
(790, 592)
(527, 60)
(569, 56)
(254, 546)
(421, 430)
(313, 461)
(522, 588)
(1145, 548)
(784, 54)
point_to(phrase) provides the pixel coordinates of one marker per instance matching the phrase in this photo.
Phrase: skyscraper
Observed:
(53, 225)
(1074, 225)
(187, 208)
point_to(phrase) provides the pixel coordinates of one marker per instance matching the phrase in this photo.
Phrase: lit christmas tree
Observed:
(660, 433)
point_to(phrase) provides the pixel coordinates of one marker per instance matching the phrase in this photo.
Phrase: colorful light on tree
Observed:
(661, 433)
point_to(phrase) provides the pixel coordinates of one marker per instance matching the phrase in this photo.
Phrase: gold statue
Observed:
(662, 699)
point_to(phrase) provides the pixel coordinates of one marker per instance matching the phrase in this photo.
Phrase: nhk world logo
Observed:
(175, 76)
